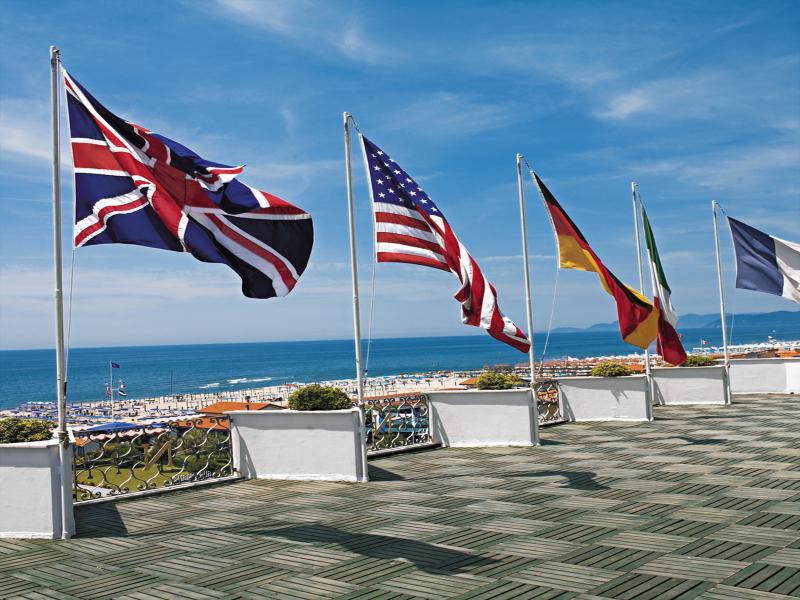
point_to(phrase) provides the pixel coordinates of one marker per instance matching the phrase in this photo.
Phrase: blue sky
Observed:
(693, 100)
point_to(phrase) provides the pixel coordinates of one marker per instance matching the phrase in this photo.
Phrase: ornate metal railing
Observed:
(548, 402)
(137, 458)
(396, 422)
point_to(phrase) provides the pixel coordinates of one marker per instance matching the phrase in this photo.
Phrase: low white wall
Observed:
(30, 490)
(305, 445)
(689, 385)
(474, 418)
(792, 375)
(605, 398)
(765, 375)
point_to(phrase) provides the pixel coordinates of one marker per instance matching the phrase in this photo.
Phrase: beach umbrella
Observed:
(113, 426)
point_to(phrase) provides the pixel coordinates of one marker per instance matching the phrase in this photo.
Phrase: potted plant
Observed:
(494, 380)
(31, 479)
(499, 412)
(698, 360)
(613, 392)
(320, 437)
(610, 368)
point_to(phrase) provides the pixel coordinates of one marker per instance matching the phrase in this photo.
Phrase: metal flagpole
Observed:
(353, 258)
(529, 304)
(634, 188)
(61, 390)
(721, 303)
(111, 387)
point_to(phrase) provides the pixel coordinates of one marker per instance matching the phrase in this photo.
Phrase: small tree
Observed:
(318, 397)
(697, 360)
(15, 430)
(492, 380)
(609, 368)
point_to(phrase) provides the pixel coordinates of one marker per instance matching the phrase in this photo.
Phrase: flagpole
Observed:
(61, 386)
(528, 303)
(721, 303)
(111, 387)
(634, 188)
(353, 257)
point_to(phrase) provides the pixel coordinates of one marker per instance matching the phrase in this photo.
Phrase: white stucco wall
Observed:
(303, 445)
(792, 375)
(30, 490)
(689, 385)
(474, 418)
(605, 398)
(765, 375)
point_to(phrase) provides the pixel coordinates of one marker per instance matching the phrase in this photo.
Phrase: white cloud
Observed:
(25, 124)
(712, 94)
(447, 114)
(317, 27)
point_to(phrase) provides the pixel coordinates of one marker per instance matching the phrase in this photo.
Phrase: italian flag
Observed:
(668, 342)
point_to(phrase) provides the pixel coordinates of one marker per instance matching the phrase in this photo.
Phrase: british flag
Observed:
(410, 228)
(133, 186)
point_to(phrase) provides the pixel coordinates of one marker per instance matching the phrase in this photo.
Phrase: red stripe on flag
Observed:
(94, 156)
(411, 259)
(103, 215)
(408, 240)
(384, 217)
(476, 292)
(279, 265)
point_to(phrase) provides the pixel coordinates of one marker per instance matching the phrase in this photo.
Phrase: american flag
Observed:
(133, 186)
(410, 228)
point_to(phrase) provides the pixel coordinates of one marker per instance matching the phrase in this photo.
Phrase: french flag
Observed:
(765, 263)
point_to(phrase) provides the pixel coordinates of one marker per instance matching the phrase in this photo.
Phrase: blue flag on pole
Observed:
(114, 365)
(765, 263)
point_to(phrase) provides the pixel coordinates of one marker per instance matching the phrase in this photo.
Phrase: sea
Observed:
(29, 375)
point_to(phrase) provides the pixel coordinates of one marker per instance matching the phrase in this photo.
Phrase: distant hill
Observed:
(780, 318)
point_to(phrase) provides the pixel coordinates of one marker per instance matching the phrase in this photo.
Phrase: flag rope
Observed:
(550, 321)
(69, 312)
(555, 295)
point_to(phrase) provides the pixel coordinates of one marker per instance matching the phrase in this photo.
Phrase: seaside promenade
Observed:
(701, 503)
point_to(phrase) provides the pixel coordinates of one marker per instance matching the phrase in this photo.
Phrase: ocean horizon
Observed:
(29, 375)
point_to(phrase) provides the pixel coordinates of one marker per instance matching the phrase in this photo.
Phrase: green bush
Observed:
(697, 360)
(317, 397)
(15, 430)
(610, 368)
(492, 380)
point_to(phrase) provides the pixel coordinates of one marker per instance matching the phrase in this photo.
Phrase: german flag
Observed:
(638, 318)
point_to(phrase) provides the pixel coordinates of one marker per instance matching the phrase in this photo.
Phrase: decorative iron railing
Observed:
(548, 402)
(126, 458)
(396, 422)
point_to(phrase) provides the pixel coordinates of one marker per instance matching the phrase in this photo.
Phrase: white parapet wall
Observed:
(605, 398)
(689, 385)
(480, 418)
(765, 375)
(324, 445)
(30, 490)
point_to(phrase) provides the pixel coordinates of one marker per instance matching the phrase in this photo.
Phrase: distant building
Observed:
(218, 409)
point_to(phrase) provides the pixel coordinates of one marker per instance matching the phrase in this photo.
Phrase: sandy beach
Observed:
(187, 404)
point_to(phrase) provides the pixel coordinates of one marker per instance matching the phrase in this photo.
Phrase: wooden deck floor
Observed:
(702, 503)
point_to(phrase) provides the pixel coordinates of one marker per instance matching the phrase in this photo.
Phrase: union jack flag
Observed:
(133, 186)
(410, 228)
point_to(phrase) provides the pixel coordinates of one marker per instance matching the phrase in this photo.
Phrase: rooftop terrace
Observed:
(701, 503)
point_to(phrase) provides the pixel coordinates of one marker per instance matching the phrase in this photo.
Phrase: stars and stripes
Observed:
(133, 186)
(410, 228)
